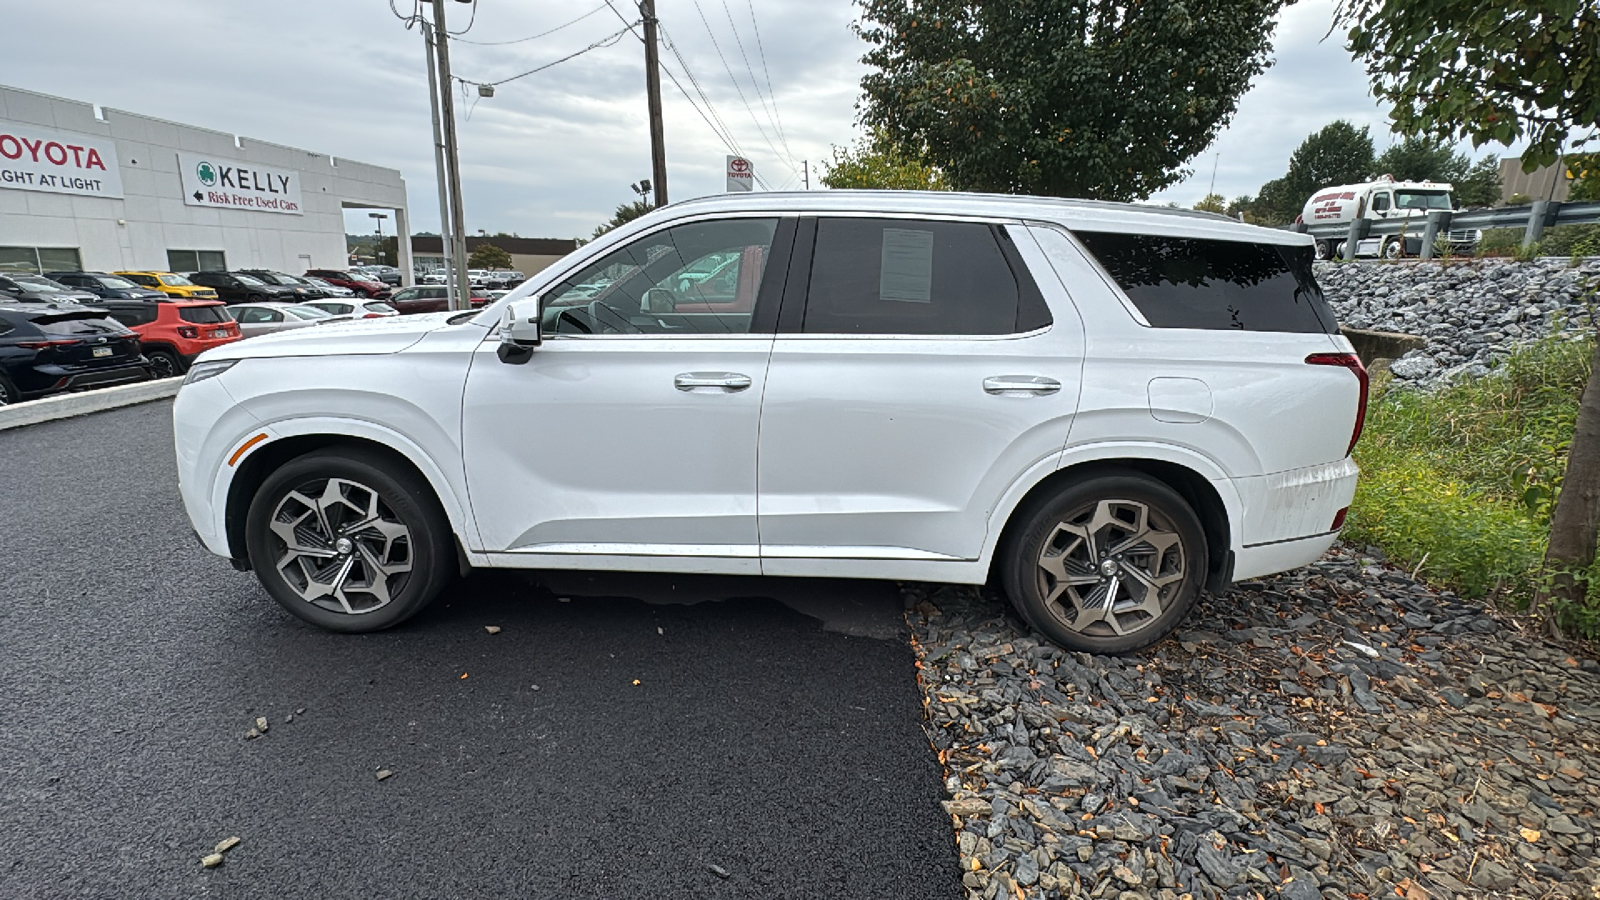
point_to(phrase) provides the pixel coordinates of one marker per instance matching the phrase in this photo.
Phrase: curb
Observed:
(65, 406)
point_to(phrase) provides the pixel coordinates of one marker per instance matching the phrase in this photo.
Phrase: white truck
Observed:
(1384, 199)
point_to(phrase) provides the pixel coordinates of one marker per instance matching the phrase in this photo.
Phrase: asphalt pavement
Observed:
(621, 736)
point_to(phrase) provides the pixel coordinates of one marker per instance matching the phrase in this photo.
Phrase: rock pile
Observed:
(1341, 731)
(1470, 311)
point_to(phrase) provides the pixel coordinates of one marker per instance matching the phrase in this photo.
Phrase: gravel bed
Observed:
(1338, 731)
(1470, 311)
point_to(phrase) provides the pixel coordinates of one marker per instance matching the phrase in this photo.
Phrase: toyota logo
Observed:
(739, 166)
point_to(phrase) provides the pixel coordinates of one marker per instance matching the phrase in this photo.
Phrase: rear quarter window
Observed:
(1217, 285)
(79, 326)
(205, 315)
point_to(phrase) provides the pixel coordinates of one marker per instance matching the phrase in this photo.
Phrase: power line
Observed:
(533, 36)
(772, 119)
(606, 41)
(764, 71)
(736, 86)
(672, 45)
(470, 22)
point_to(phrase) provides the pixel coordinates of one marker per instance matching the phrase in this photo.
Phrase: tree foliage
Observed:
(1480, 186)
(1423, 159)
(1213, 203)
(1075, 98)
(1465, 69)
(1338, 153)
(1585, 168)
(625, 213)
(878, 163)
(488, 256)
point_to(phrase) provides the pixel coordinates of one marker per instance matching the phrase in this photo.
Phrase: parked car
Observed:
(266, 318)
(384, 274)
(429, 298)
(170, 283)
(39, 289)
(238, 287)
(1103, 408)
(355, 309)
(304, 290)
(174, 332)
(53, 347)
(360, 284)
(109, 287)
(328, 289)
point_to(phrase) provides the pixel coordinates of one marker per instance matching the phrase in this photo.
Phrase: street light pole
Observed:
(652, 84)
(377, 253)
(452, 156)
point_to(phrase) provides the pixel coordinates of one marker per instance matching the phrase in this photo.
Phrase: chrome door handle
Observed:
(1021, 385)
(727, 382)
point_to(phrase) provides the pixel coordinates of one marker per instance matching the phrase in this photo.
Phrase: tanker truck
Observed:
(1384, 199)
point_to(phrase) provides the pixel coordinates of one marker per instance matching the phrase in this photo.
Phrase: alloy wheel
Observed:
(340, 547)
(1111, 568)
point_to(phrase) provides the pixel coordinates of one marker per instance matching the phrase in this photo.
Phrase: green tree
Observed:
(1585, 168)
(1073, 98)
(877, 163)
(1338, 154)
(1465, 69)
(1213, 203)
(1423, 159)
(488, 256)
(1240, 206)
(626, 213)
(1480, 186)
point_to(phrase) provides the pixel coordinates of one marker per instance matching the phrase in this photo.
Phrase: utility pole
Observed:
(446, 248)
(452, 156)
(652, 84)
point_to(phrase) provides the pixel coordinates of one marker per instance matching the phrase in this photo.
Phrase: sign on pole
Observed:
(741, 174)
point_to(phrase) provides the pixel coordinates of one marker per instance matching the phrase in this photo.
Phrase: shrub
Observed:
(1460, 482)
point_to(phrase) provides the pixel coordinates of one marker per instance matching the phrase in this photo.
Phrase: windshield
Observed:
(1422, 199)
(176, 281)
(115, 283)
(40, 284)
(246, 279)
(308, 312)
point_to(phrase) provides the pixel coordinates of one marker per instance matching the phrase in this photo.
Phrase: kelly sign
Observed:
(38, 159)
(213, 181)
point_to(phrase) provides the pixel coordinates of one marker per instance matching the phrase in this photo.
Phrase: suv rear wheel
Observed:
(345, 539)
(163, 363)
(1108, 565)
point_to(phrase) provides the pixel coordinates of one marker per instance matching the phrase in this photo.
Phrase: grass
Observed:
(1459, 483)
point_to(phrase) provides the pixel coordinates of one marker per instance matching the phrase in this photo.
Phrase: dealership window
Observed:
(38, 260)
(196, 261)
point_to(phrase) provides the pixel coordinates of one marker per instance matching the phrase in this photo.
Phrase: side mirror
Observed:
(659, 300)
(519, 332)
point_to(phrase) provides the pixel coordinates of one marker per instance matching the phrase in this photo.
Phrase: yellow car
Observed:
(171, 284)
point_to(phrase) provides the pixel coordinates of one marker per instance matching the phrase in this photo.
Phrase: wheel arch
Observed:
(269, 456)
(1199, 491)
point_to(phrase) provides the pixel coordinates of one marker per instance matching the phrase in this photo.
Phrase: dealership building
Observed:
(82, 187)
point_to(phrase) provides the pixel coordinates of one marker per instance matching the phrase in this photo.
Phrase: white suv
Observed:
(1105, 408)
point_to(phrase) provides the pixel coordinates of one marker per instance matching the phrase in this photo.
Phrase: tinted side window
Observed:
(132, 317)
(894, 276)
(1194, 283)
(204, 315)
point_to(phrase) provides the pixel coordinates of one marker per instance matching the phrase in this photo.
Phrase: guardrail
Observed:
(1533, 219)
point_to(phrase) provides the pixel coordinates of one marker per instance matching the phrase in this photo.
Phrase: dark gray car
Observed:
(39, 289)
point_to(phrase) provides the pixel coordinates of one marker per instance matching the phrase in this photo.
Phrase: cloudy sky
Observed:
(553, 153)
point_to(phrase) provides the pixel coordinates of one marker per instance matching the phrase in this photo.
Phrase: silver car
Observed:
(362, 309)
(266, 318)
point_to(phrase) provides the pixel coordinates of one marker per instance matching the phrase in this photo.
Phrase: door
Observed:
(924, 373)
(254, 320)
(631, 431)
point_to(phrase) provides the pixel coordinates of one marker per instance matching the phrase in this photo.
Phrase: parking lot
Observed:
(620, 736)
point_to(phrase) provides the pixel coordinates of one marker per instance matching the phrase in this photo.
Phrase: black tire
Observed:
(8, 392)
(255, 298)
(402, 495)
(164, 364)
(1322, 250)
(1395, 249)
(1179, 564)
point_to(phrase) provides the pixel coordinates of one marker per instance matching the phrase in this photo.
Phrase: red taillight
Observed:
(1338, 519)
(188, 331)
(373, 316)
(43, 345)
(1353, 363)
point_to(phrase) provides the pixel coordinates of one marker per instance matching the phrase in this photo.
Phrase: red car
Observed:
(173, 332)
(427, 298)
(372, 290)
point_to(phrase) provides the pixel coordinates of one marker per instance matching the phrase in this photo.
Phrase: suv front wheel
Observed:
(348, 540)
(1109, 564)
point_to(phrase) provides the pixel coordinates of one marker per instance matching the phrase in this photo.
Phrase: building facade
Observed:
(102, 189)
